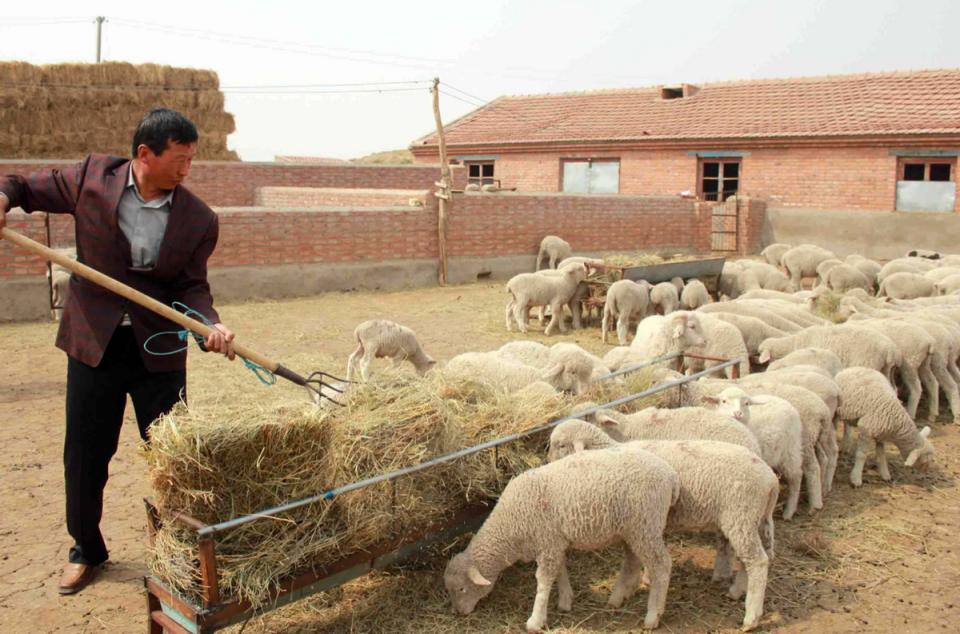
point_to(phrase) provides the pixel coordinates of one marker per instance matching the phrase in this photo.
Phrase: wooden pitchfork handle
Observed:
(162, 309)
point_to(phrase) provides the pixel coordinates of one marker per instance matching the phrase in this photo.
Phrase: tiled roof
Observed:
(914, 102)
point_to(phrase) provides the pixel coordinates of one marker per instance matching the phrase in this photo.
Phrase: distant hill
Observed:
(390, 157)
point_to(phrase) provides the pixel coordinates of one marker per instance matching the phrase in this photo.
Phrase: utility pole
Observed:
(443, 193)
(100, 21)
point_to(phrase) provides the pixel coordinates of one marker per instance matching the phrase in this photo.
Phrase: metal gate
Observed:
(725, 225)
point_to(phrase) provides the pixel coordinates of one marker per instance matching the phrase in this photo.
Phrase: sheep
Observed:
(530, 353)
(799, 297)
(869, 268)
(377, 338)
(776, 425)
(906, 286)
(586, 365)
(854, 345)
(472, 187)
(825, 267)
(658, 336)
(723, 340)
(793, 312)
(694, 295)
(576, 300)
(870, 403)
(820, 357)
(626, 301)
(753, 330)
(489, 188)
(774, 253)
(940, 273)
(586, 501)
(713, 478)
(508, 375)
(555, 248)
(844, 277)
(947, 286)
(802, 261)
(751, 309)
(664, 298)
(531, 289)
(904, 265)
(733, 281)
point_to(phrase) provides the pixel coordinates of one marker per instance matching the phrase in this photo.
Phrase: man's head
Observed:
(164, 145)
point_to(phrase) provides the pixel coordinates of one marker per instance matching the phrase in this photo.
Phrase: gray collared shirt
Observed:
(143, 222)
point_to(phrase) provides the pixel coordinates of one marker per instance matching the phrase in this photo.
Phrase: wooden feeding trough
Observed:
(169, 611)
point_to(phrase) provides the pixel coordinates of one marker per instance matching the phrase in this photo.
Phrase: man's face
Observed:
(170, 168)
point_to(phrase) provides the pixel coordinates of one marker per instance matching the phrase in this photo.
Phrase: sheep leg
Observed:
(352, 360)
(823, 461)
(721, 563)
(848, 442)
(931, 388)
(541, 314)
(548, 569)
(794, 479)
(556, 319)
(657, 559)
(520, 313)
(629, 578)
(811, 474)
(564, 590)
(882, 466)
(605, 325)
(368, 356)
(864, 446)
(829, 438)
(752, 576)
(911, 380)
(623, 329)
(508, 313)
(949, 389)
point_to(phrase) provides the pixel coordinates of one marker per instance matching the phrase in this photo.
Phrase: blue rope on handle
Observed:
(266, 376)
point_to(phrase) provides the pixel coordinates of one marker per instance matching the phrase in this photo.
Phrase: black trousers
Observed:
(96, 399)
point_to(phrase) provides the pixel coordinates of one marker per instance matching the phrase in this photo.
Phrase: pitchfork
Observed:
(315, 383)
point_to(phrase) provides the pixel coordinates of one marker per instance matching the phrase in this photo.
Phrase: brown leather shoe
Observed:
(75, 577)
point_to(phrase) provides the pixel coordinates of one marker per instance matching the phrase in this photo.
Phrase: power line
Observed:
(463, 92)
(42, 21)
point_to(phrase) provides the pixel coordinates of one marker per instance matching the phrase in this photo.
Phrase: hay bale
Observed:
(225, 461)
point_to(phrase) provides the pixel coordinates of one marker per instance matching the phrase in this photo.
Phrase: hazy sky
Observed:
(485, 49)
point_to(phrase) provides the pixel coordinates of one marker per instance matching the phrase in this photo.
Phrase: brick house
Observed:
(882, 141)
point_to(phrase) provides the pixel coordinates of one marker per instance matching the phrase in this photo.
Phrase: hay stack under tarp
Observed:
(225, 461)
(69, 110)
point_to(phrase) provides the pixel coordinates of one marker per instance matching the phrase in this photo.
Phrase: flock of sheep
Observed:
(712, 457)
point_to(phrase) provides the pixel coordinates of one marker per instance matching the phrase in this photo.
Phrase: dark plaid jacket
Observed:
(91, 191)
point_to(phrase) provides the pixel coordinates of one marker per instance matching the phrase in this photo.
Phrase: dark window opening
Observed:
(480, 173)
(913, 171)
(719, 179)
(939, 171)
(671, 93)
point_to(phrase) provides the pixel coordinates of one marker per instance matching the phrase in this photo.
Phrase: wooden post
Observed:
(443, 194)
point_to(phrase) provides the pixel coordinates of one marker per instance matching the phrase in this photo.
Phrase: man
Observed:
(136, 223)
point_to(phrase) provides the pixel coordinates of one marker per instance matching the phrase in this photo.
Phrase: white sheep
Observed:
(870, 403)
(802, 261)
(869, 268)
(724, 341)
(753, 330)
(626, 301)
(942, 272)
(820, 357)
(576, 300)
(767, 276)
(508, 375)
(585, 501)
(855, 346)
(844, 277)
(555, 249)
(776, 425)
(378, 338)
(774, 253)
(906, 286)
(658, 336)
(587, 366)
(664, 298)
(713, 477)
(678, 284)
(798, 297)
(904, 265)
(530, 289)
(752, 309)
(825, 267)
(794, 312)
(947, 286)
(694, 295)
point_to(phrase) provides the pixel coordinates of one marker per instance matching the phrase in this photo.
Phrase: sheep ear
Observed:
(713, 400)
(678, 331)
(553, 371)
(925, 432)
(578, 445)
(605, 421)
(764, 357)
(476, 577)
(912, 458)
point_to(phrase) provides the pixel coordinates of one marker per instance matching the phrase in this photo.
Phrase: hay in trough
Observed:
(220, 462)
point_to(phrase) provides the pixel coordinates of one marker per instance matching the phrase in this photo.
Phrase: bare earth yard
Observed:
(884, 558)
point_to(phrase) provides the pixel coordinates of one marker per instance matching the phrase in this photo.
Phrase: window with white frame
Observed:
(590, 176)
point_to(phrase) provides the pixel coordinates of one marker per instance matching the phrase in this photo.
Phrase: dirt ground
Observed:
(883, 558)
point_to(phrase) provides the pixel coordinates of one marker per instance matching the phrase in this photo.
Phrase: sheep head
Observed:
(921, 457)
(465, 584)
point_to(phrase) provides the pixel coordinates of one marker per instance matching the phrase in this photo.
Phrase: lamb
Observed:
(555, 248)
(820, 357)
(795, 313)
(825, 267)
(709, 500)
(588, 500)
(586, 365)
(664, 298)
(694, 295)
(844, 277)
(947, 286)
(799, 297)
(868, 401)
(869, 268)
(576, 300)
(723, 340)
(658, 336)
(940, 273)
(776, 425)
(906, 286)
(752, 309)
(854, 346)
(753, 330)
(802, 261)
(530, 289)
(377, 338)
(734, 280)
(904, 265)
(508, 375)
(626, 301)
(768, 277)
(774, 253)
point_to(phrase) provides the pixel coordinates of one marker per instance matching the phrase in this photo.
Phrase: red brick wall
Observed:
(232, 184)
(335, 197)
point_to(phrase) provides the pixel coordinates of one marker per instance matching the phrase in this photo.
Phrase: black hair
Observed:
(161, 125)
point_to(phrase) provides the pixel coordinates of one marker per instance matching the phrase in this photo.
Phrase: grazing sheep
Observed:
(508, 375)
(377, 338)
(774, 252)
(768, 277)
(802, 261)
(869, 268)
(752, 309)
(794, 312)
(869, 402)
(753, 330)
(585, 501)
(626, 301)
(664, 298)
(948, 285)
(714, 477)
(940, 273)
(724, 341)
(820, 357)
(825, 267)
(799, 297)
(844, 277)
(853, 345)
(694, 295)
(906, 286)
(531, 289)
(776, 425)
(586, 365)
(904, 265)
(657, 336)
(527, 352)
(555, 248)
